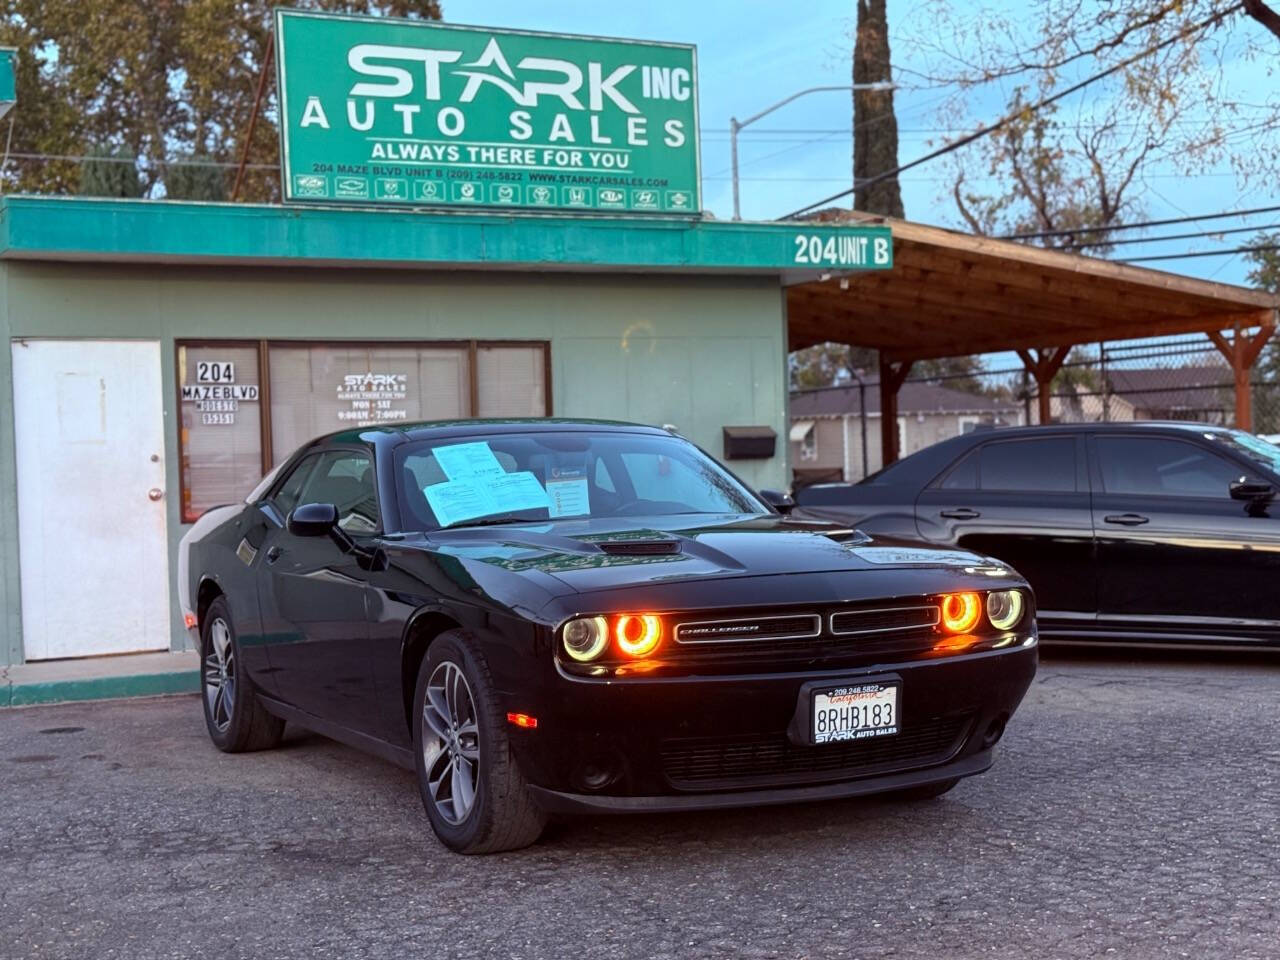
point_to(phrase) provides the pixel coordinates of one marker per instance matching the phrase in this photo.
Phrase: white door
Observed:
(89, 423)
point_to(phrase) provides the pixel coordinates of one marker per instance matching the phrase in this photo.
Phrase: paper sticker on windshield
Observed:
(568, 492)
(475, 496)
(462, 460)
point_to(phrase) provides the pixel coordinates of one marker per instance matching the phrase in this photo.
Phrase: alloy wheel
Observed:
(451, 743)
(220, 675)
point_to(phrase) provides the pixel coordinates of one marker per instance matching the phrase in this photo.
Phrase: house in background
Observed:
(826, 426)
(1202, 393)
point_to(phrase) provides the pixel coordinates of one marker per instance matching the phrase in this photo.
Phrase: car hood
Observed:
(606, 553)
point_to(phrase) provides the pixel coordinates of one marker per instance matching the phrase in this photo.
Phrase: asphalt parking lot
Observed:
(1134, 811)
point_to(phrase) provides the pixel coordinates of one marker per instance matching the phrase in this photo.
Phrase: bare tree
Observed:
(1179, 102)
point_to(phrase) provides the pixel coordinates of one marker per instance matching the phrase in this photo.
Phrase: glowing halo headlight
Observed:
(961, 612)
(585, 638)
(638, 634)
(1004, 608)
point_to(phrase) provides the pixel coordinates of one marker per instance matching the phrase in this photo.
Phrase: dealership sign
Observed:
(413, 113)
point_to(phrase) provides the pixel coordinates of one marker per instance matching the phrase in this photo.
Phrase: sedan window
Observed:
(1034, 466)
(1163, 467)
(345, 479)
(287, 494)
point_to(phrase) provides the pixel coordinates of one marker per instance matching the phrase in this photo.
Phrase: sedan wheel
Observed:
(220, 675)
(451, 743)
(233, 714)
(472, 787)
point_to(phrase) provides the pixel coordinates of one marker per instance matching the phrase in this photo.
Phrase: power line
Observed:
(1135, 226)
(1009, 118)
(1168, 236)
(1205, 253)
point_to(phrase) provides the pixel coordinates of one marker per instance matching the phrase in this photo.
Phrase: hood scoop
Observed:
(639, 548)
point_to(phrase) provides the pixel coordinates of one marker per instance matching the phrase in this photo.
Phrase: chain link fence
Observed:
(1182, 378)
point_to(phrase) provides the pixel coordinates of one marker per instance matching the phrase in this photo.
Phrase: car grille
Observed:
(884, 619)
(720, 763)
(747, 629)
(856, 636)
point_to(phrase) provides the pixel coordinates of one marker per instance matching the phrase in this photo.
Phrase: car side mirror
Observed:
(1251, 490)
(780, 501)
(313, 520)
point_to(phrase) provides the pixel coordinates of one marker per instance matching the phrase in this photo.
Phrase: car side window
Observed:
(1041, 465)
(345, 479)
(964, 475)
(287, 494)
(1163, 467)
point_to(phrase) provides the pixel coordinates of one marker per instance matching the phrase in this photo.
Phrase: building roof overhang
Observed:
(951, 294)
(100, 230)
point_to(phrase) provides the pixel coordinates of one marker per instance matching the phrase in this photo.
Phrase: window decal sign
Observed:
(216, 394)
(408, 113)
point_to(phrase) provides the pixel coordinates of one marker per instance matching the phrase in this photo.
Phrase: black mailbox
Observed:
(749, 443)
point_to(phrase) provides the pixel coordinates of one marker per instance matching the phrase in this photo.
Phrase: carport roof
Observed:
(950, 294)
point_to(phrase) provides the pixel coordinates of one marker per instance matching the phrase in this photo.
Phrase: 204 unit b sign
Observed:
(414, 113)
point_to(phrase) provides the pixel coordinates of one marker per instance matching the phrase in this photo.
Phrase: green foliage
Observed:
(1266, 263)
(198, 178)
(830, 364)
(833, 364)
(156, 79)
(109, 173)
(1266, 275)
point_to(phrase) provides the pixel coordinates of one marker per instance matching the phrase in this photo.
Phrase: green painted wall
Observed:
(697, 352)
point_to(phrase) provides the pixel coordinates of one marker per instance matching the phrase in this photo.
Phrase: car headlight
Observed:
(585, 638)
(961, 612)
(638, 634)
(1004, 608)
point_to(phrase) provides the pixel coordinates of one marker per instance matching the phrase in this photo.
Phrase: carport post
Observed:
(1241, 352)
(892, 375)
(1044, 366)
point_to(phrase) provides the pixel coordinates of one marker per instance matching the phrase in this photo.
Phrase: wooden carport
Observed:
(953, 294)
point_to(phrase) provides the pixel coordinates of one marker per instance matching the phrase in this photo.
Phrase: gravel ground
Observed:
(1133, 811)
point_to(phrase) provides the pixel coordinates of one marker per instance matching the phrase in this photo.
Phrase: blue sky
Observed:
(752, 54)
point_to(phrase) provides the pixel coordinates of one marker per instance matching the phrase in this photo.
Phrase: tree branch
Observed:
(1259, 10)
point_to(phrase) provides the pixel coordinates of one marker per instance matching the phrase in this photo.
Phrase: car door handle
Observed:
(963, 513)
(1127, 519)
(274, 554)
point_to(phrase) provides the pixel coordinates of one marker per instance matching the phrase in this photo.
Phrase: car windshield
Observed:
(471, 481)
(1247, 445)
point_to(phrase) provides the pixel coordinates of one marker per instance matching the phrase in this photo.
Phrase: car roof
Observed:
(923, 465)
(1113, 426)
(441, 429)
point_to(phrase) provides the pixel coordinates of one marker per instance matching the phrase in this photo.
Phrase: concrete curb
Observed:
(98, 688)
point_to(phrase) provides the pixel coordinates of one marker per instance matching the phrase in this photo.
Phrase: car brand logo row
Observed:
(403, 190)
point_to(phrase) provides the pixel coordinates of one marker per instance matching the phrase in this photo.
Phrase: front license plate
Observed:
(856, 711)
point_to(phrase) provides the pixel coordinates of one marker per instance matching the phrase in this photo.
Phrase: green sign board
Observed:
(413, 113)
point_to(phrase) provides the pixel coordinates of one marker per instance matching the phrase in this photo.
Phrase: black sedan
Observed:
(551, 616)
(1157, 533)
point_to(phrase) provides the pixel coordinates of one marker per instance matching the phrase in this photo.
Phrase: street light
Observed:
(735, 125)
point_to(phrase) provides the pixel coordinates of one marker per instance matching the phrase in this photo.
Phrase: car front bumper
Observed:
(707, 742)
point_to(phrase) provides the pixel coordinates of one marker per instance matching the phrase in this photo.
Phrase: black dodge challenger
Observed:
(553, 617)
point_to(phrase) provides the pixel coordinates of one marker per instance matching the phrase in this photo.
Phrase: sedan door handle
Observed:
(963, 513)
(273, 554)
(1127, 519)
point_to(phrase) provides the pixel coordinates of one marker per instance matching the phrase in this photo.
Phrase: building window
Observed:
(220, 424)
(239, 419)
(319, 388)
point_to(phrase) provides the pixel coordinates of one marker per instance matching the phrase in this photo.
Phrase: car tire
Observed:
(928, 791)
(236, 720)
(472, 789)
